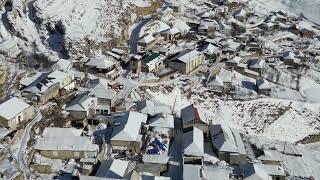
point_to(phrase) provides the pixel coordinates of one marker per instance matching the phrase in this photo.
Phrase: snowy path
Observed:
(176, 154)
(22, 154)
(134, 38)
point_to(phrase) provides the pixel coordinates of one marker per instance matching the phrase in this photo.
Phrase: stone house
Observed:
(40, 87)
(102, 64)
(207, 28)
(152, 63)
(15, 111)
(227, 144)
(254, 170)
(257, 65)
(65, 143)
(172, 34)
(221, 83)
(289, 58)
(66, 81)
(104, 94)
(127, 134)
(272, 157)
(175, 6)
(193, 146)
(115, 169)
(157, 162)
(147, 42)
(191, 117)
(187, 62)
(211, 51)
(233, 62)
(83, 106)
(263, 87)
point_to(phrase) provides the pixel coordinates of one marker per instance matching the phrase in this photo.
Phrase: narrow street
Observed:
(134, 38)
(175, 153)
(23, 154)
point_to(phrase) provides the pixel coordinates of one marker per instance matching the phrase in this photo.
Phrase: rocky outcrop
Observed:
(68, 28)
(76, 28)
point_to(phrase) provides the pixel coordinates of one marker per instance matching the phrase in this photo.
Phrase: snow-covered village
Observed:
(160, 89)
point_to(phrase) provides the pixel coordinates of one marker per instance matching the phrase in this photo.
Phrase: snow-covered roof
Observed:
(99, 88)
(256, 64)
(181, 25)
(191, 172)
(162, 120)
(39, 83)
(231, 45)
(118, 51)
(288, 55)
(83, 177)
(59, 76)
(155, 159)
(152, 108)
(190, 113)
(240, 13)
(208, 14)
(4, 132)
(82, 102)
(217, 81)
(53, 132)
(116, 169)
(147, 39)
(189, 56)
(102, 62)
(193, 143)
(263, 84)
(225, 75)
(172, 31)
(28, 80)
(128, 127)
(272, 170)
(253, 172)
(153, 27)
(242, 65)
(151, 177)
(210, 49)
(170, 49)
(114, 55)
(235, 60)
(284, 35)
(64, 64)
(226, 139)
(12, 108)
(205, 25)
(212, 172)
(270, 155)
(64, 139)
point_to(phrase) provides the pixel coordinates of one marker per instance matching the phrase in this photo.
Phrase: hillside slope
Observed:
(308, 8)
